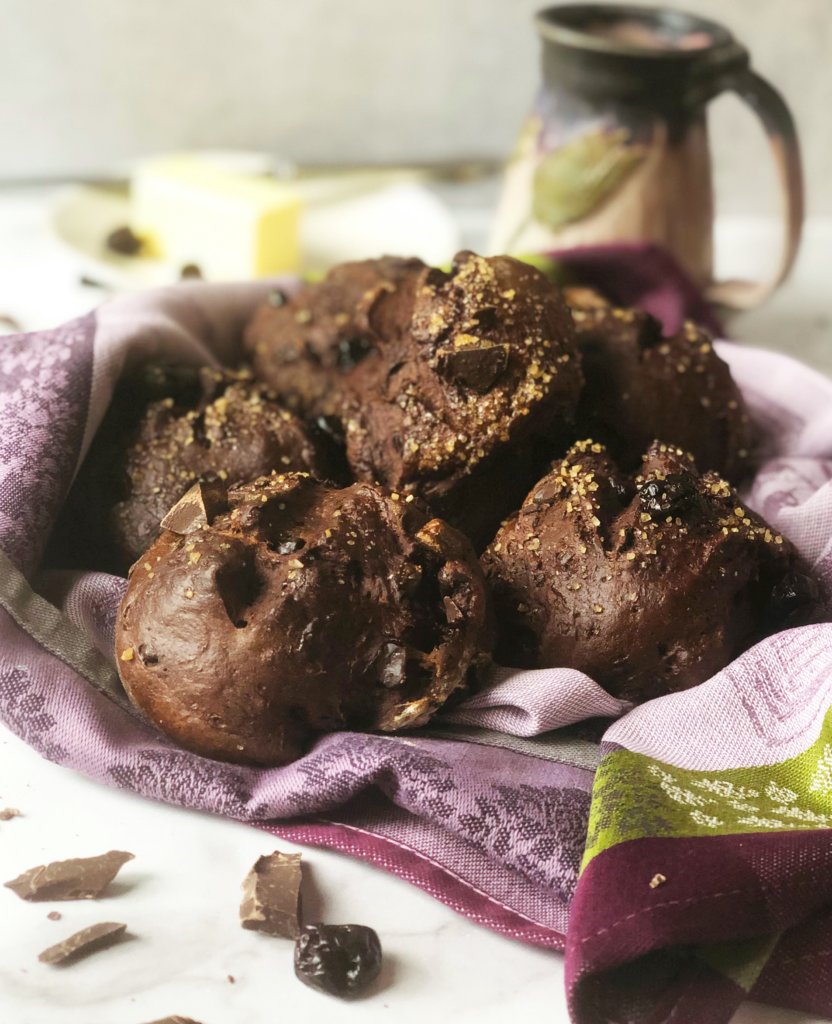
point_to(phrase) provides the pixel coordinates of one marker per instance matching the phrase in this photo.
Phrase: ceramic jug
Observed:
(616, 147)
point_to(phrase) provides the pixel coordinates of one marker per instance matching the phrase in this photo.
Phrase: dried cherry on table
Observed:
(340, 959)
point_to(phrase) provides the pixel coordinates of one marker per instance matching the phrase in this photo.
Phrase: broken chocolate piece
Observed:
(176, 1019)
(81, 878)
(124, 241)
(453, 613)
(288, 545)
(547, 492)
(88, 940)
(8, 813)
(475, 367)
(196, 508)
(271, 892)
(8, 323)
(341, 959)
(392, 665)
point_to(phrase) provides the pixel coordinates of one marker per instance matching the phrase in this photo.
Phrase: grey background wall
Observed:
(86, 84)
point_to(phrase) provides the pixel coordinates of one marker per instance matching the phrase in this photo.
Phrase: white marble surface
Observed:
(180, 895)
(180, 899)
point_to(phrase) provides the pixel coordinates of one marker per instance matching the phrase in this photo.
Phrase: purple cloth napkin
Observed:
(488, 809)
(643, 275)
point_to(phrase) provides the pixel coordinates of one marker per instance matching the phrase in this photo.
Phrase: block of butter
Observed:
(232, 226)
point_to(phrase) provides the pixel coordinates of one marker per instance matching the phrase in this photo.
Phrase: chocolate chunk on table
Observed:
(8, 323)
(271, 893)
(81, 878)
(84, 942)
(176, 1019)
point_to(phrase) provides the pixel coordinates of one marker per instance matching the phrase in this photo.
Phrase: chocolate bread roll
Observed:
(274, 611)
(467, 391)
(303, 346)
(200, 424)
(641, 385)
(648, 584)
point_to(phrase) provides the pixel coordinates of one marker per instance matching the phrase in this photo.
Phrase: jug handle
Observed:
(779, 125)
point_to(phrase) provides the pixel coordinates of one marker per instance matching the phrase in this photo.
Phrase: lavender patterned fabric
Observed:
(487, 809)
